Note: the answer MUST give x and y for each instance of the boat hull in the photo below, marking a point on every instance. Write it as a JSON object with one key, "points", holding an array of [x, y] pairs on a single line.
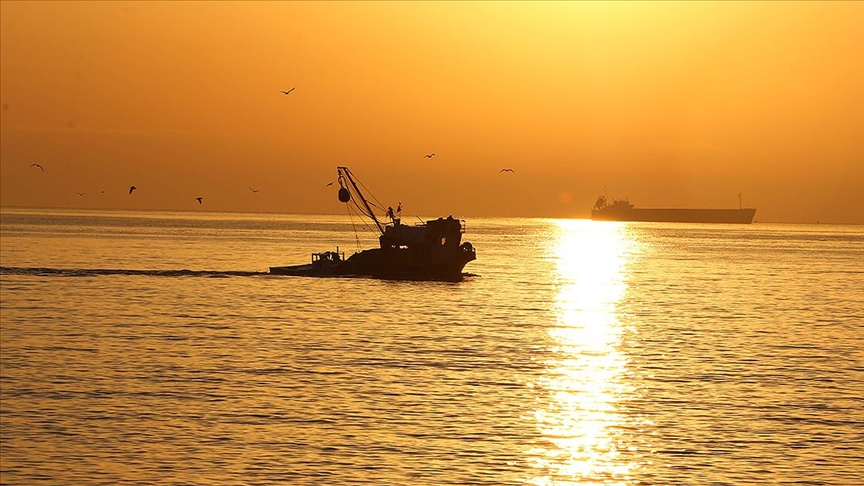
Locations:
{"points": [[313, 270], [736, 216], [393, 263], [405, 263]]}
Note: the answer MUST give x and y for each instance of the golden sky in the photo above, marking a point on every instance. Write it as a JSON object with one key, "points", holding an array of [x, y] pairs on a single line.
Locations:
{"points": [[677, 104]]}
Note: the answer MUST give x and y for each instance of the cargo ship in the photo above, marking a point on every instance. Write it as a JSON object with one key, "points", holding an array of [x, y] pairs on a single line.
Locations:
{"points": [[623, 210]]}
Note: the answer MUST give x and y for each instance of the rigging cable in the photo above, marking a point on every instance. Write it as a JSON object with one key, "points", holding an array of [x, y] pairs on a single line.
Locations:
{"points": [[354, 226], [366, 209], [356, 236], [377, 202], [370, 228]]}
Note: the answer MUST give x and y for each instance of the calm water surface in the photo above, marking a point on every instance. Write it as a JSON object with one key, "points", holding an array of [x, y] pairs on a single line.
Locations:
{"points": [[152, 347]]}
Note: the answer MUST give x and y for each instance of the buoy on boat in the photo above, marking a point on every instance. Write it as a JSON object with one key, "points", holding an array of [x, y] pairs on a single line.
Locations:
{"points": [[344, 195]]}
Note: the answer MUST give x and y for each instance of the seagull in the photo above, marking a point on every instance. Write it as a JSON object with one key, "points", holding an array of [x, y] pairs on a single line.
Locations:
{"points": [[132, 188], [80, 193], [429, 156], [199, 199], [506, 170], [289, 91], [329, 184], [254, 190], [37, 165]]}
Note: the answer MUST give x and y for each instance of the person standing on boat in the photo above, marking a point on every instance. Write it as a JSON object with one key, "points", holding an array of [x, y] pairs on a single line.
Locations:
{"points": [[390, 213]]}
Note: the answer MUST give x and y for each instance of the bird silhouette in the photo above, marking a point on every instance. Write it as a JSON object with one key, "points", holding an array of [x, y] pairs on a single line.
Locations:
{"points": [[37, 165], [289, 91], [200, 200], [429, 156], [132, 188], [254, 190], [329, 184], [80, 193], [506, 170]]}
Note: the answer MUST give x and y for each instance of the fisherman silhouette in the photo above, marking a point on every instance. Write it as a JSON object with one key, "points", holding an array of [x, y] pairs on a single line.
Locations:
{"points": [[390, 213]]}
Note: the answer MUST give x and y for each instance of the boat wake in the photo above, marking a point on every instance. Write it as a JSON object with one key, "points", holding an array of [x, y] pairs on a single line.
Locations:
{"points": [[97, 272]]}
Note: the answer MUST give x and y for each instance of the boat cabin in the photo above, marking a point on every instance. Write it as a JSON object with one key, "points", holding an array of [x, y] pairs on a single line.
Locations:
{"points": [[328, 257], [441, 232]]}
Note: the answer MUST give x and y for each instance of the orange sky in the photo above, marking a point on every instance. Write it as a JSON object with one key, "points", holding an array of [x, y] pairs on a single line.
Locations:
{"points": [[670, 104]]}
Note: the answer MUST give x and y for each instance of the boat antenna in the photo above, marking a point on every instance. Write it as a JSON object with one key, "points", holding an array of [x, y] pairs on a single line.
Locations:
{"points": [[739, 200], [344, 171]]}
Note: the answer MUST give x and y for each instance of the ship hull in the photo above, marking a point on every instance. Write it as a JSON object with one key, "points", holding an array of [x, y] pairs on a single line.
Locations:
{"points": [[405, 263], [737, 216], [313, 270], [394, 263]]}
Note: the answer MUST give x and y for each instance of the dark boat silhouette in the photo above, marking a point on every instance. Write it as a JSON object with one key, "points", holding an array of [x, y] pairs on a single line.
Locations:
{"points": [[430, 250], [324, 264], [623, 210]]}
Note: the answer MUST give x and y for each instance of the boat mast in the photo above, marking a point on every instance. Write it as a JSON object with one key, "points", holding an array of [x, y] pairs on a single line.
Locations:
{"points": [[347, 173]]}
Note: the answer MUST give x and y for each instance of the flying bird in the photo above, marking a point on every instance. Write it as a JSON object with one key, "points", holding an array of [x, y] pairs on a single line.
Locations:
{"points": [[132, 188], [429, 156], [37, 165], [506, 170], [200, 200], [329, 184], [80, 193], [289, 91], [254, 190]]}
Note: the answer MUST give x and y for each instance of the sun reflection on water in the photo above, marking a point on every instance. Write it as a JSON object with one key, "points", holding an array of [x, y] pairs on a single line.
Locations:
{"points": [[584, 386]]}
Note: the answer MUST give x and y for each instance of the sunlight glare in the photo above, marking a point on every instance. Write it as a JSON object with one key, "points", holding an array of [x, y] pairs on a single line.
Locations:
{"points": [[580, 416]]}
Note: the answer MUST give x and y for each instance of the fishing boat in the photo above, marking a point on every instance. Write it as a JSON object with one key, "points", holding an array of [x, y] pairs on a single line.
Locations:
{"points": [[623, 210], [429, 250]]}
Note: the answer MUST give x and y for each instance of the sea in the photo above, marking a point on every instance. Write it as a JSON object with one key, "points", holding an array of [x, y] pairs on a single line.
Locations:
{"points": [[153, 347]]}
